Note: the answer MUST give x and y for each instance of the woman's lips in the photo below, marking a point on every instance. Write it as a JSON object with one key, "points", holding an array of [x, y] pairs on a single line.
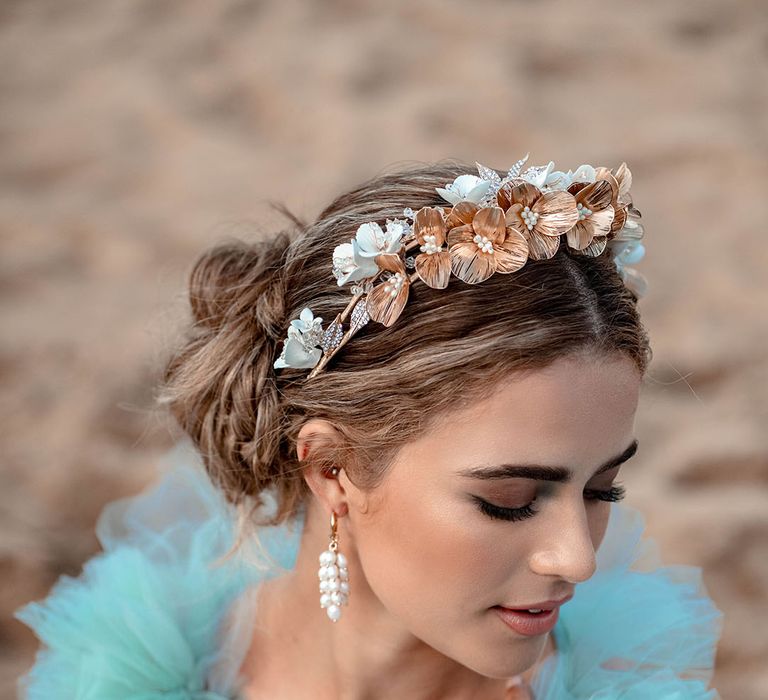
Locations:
{"points": [[527, 623]]}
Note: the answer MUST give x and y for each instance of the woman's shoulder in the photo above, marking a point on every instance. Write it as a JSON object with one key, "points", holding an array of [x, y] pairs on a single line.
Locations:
{"points": [[145, 617], [637, 629]]}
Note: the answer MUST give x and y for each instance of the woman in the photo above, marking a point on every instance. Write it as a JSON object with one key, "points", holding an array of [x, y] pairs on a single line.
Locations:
{"points": [[414, 420]]}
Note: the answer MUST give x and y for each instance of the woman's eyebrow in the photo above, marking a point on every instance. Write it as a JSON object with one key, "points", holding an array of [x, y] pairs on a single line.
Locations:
{"points": [[541, 472]]}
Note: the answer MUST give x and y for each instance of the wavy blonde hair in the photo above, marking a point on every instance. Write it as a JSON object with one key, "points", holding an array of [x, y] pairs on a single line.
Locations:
{"points": [[388, 385]]}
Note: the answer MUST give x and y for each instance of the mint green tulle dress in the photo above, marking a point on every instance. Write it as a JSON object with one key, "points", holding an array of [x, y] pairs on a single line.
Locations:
{"points": [[150, 617]]}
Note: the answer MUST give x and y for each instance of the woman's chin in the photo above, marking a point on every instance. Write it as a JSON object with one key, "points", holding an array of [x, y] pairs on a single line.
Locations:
{"points": [[514, 655]]}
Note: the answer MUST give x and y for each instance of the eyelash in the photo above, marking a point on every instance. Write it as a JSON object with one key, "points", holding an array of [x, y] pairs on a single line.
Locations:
{"points": [[615, 493]]}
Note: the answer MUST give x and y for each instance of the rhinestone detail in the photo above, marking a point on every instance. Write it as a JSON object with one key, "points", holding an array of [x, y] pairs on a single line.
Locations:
{"points": [[332, 337], [359, 316]]}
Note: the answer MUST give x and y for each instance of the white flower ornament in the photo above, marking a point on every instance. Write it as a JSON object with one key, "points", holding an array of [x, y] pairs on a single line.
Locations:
{"points": [[354, 261], [300, 347], [538, 175], [628, 252], [584, 173], [465, 188], [547, 179]]}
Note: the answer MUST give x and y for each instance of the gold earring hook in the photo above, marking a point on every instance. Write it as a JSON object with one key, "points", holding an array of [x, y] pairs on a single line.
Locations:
{"points": [[334, 532]]}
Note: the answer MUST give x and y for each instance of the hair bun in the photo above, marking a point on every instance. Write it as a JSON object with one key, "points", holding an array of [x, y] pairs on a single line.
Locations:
{"points": [[235, 278], [220, 385]]}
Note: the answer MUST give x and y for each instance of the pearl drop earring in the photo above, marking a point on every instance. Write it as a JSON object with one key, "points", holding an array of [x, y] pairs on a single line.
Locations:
{"points": [[333, 575]]}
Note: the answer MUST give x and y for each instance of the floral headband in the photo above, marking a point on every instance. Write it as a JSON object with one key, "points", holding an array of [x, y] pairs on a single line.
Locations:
{"points": [[494, 225]]}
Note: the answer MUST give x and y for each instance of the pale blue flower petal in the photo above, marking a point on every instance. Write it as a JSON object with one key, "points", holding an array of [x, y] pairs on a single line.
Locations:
{"points": [[368, 236]]}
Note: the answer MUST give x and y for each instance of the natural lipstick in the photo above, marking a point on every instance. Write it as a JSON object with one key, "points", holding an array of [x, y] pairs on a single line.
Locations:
{"points": [[528, 623]]}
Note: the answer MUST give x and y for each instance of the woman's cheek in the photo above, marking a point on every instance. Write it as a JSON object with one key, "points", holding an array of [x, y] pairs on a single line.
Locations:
{"points": [[441, 559], [598, 522]]}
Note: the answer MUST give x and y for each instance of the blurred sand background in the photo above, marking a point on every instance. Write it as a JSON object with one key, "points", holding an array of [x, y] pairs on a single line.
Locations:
{"points": [[135, 134]]}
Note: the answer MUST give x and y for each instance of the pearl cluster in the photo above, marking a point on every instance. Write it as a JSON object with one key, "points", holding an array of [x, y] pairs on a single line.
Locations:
{"points": [[584, 212], [394, 283], [430, 246], [334, 583], [529, 217], [483, 243]]}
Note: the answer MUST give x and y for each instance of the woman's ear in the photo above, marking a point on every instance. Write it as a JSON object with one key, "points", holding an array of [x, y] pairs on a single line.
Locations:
{"points": [[318, 446]]}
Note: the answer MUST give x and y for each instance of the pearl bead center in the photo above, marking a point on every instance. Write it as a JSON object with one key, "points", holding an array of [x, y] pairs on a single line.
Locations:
{"points": [[583, 210], [529, 217], [483, 243], [430, 246], [394, 284]]}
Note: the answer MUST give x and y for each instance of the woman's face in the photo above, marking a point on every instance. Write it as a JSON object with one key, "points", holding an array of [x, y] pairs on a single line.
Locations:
{"points": [[440, 564]]}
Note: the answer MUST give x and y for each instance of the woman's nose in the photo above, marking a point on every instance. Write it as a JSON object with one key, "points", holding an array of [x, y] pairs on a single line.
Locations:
{"points": [[565, 549]]}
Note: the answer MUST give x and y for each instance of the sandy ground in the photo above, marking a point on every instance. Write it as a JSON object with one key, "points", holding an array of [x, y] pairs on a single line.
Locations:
{"points": [[135, 134]]}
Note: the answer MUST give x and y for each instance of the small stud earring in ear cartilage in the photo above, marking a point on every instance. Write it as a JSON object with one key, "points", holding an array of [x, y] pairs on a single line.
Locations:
{"points": [[333, 575]]}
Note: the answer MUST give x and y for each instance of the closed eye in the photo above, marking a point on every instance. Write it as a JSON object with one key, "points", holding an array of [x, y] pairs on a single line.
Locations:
{"points": [[615, 493]]}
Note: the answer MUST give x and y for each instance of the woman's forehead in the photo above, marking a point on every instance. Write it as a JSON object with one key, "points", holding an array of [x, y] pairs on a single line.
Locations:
{"points": [[560, 391], [575, 410]]}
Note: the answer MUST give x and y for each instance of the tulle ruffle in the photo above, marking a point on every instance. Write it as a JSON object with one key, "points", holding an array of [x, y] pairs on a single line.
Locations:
{"points": [[636, 630], [145, 619]]}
